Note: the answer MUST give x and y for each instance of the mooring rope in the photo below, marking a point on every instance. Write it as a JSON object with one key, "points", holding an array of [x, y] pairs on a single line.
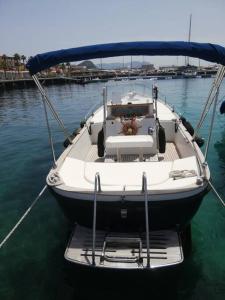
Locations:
{"points": [[216, 193], [23, 217]]}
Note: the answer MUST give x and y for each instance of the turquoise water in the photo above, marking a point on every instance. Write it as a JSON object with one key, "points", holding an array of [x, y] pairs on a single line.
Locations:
{"points": [[32, 264]]}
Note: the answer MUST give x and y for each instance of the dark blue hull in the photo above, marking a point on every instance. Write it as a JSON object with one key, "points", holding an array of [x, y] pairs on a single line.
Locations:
{"points": [[130, 215]]}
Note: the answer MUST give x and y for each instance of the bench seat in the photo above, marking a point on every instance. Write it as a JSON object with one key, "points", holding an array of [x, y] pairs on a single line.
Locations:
{"points": [[128, 141]]}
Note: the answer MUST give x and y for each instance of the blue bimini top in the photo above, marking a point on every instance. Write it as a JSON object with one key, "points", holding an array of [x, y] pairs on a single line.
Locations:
{"points": [[210, 52]]}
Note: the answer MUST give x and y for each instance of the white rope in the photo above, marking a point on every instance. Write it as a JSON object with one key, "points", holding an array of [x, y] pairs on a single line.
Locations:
{"points": [[22, 218], [216, 193]]}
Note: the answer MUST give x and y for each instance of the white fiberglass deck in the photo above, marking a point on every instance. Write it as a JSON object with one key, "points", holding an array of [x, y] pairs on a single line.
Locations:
{"points": [[124, 250], [121, 170], [170, 155], [80, 175]]}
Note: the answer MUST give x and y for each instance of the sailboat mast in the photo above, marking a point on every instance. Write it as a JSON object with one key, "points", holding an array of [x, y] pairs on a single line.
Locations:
{"points": [[189, 36]]}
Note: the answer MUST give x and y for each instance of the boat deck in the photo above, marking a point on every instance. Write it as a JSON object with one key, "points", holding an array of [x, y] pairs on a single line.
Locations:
{"points": [[171, 154]]}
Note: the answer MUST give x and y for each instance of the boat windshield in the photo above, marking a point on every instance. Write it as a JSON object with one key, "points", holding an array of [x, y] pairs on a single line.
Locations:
{"points": [[129, 110]]}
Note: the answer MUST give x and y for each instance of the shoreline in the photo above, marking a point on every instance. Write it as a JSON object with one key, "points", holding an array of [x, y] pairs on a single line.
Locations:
{"points": [[28, 82]]}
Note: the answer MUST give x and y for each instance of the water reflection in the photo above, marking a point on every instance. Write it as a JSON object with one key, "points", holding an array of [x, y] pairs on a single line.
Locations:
{"points": [[155, 284], [184, 95]]}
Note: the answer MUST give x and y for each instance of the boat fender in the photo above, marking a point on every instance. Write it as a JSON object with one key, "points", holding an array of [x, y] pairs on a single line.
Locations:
{"points": [[67, 142], [222, 107], [199, 141], [199, 180], [82, 123], [90, 128], [76, 131], [187, 125], [155, 92], [176, 126], [161, 139], [101, 147]]}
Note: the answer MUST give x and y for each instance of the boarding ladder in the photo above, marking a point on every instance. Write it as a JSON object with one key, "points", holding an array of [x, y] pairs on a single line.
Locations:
{"points": [[123, 250], [113, 240]]}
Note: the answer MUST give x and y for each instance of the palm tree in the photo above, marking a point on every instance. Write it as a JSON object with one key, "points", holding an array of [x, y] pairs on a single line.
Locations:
{"points": [[4, 58], [63, 67], [23, 58], [17, 61], [68, 67]]}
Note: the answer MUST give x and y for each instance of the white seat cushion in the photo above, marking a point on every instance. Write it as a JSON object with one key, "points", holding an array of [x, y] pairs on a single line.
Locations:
{"points": [[129, 141]]}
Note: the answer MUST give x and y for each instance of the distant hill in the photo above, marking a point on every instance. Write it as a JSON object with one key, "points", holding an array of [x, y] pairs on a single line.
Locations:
{"points": [[114, 65], [118, 65], [88, 64]]}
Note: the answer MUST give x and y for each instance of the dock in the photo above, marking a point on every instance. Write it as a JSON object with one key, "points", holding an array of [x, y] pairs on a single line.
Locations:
{"points": [[56, 80]]}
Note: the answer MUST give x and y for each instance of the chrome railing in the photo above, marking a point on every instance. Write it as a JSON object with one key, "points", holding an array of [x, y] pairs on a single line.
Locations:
{"points": [[145, 191], [97, 189]]}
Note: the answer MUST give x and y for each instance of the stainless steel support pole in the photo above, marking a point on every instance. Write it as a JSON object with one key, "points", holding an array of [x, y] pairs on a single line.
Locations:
{"points": [[144, 189], [212, 94], [97, 188], [104, 111], [211, 125], [53, 111], [49, 134]]}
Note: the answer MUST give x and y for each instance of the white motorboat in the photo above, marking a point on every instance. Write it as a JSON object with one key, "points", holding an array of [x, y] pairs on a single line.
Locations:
{"points": [[123, 144], [134, 172]]}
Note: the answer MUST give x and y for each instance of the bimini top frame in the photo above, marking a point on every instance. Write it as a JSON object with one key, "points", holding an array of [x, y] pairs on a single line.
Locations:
{"points": [[210, 52]]}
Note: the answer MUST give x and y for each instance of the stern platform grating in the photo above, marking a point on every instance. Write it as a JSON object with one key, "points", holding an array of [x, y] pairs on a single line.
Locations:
{"points": [[124, 250]]}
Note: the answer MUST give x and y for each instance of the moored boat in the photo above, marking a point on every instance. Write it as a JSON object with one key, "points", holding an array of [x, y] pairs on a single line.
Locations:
{"points": [[134, 168], [123, 142]]}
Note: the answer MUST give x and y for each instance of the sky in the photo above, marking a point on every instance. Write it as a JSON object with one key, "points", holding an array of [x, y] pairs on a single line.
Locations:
{"points": [[35, 26]]}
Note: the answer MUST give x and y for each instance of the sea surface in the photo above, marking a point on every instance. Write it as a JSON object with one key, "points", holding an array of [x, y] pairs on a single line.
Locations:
{"points": [[32, 262]]}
